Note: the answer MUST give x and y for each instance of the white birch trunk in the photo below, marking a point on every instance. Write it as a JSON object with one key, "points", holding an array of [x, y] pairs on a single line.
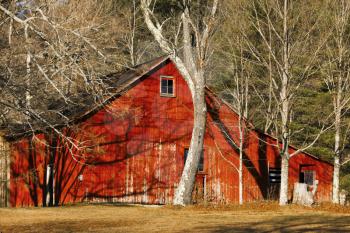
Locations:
{"points": [[338, 84], [240, 177], [10, 31], [28, 71], [284, 181], [183, 193], [337, 110], [285, 111], [4, 172], [241, 151], [192, 70], [335, 198]]}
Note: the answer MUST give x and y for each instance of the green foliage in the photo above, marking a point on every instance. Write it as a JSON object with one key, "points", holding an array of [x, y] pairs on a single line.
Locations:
{"points": [[345, 182]]}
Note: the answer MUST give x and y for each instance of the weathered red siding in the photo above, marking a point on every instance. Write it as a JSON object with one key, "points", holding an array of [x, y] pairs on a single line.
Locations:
{"points": [[133, 152]]}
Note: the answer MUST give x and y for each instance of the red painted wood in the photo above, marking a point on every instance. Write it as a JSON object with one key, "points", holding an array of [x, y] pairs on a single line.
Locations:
{"points": [[133, 152]]}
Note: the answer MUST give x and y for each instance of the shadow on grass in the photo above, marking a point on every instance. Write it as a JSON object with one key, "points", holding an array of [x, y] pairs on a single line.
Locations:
{"points": [[172, 220], [305, 223], [83, 225]]}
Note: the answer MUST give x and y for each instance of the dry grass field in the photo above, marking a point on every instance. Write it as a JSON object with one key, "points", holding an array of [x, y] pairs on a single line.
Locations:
{"points": [[258, 217]]}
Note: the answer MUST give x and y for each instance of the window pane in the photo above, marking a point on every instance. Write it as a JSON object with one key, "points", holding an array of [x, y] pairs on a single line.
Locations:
{"points": [[164, 89], [185, 155], [275, 175], [201, 160], [170, 83], [201, 163], [309, 177], [301, 177], [170, 86], [164, 82], [170, 90]]}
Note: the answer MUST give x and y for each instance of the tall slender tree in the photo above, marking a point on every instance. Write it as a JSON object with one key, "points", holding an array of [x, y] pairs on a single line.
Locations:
{"points": [[289, 49], [239, 93], [335, 68], [196, 29]]}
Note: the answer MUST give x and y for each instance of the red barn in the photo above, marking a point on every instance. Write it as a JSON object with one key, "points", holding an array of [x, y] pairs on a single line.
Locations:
{"points": [[132, 149]]}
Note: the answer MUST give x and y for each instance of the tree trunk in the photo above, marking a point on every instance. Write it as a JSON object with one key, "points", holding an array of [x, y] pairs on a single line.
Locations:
{"points": [[335, 196], [337, 125], [50, 185], [28, 63], [284, 181], [4, 172], [51, 165], [241, 148], [45, 188], [336, 171], [183, 193], [241, 177], [193, 73], [285, 110]]}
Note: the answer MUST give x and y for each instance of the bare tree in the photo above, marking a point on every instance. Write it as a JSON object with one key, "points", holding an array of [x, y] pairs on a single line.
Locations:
{"points": [[290, 51], [192, 67], [53, 67], [239, 93], [138, 44], [233, 66], [335, 68], [54, 53]]}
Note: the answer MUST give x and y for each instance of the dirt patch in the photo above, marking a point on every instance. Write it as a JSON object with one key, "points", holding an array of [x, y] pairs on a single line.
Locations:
{"points": [[255, 217]]}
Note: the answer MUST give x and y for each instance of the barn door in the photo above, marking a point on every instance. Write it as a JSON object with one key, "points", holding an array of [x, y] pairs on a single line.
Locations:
{"points": [[199, 190], [198, 195], [274, 183]]}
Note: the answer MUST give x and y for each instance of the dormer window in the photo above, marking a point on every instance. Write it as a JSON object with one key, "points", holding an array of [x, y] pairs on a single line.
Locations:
{"points": [[167, 86]]}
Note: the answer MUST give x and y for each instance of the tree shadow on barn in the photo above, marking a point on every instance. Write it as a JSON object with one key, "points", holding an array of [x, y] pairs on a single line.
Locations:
{"points": [[110, 167], [259, 169]]}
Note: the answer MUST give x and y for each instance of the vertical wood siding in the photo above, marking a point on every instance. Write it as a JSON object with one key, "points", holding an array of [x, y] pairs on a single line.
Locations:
{"points": [[133, 152]]}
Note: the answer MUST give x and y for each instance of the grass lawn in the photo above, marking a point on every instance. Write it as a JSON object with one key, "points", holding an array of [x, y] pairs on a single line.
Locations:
{"points": [[258, 217]]}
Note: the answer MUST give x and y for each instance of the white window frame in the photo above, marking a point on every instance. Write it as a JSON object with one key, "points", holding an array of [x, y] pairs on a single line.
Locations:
{"points": [[174, 86]]}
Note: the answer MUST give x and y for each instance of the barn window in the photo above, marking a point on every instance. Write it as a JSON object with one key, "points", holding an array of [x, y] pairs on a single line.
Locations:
{"points": [[201, 160], [167, 86], [307, 177], [275, 175]]}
